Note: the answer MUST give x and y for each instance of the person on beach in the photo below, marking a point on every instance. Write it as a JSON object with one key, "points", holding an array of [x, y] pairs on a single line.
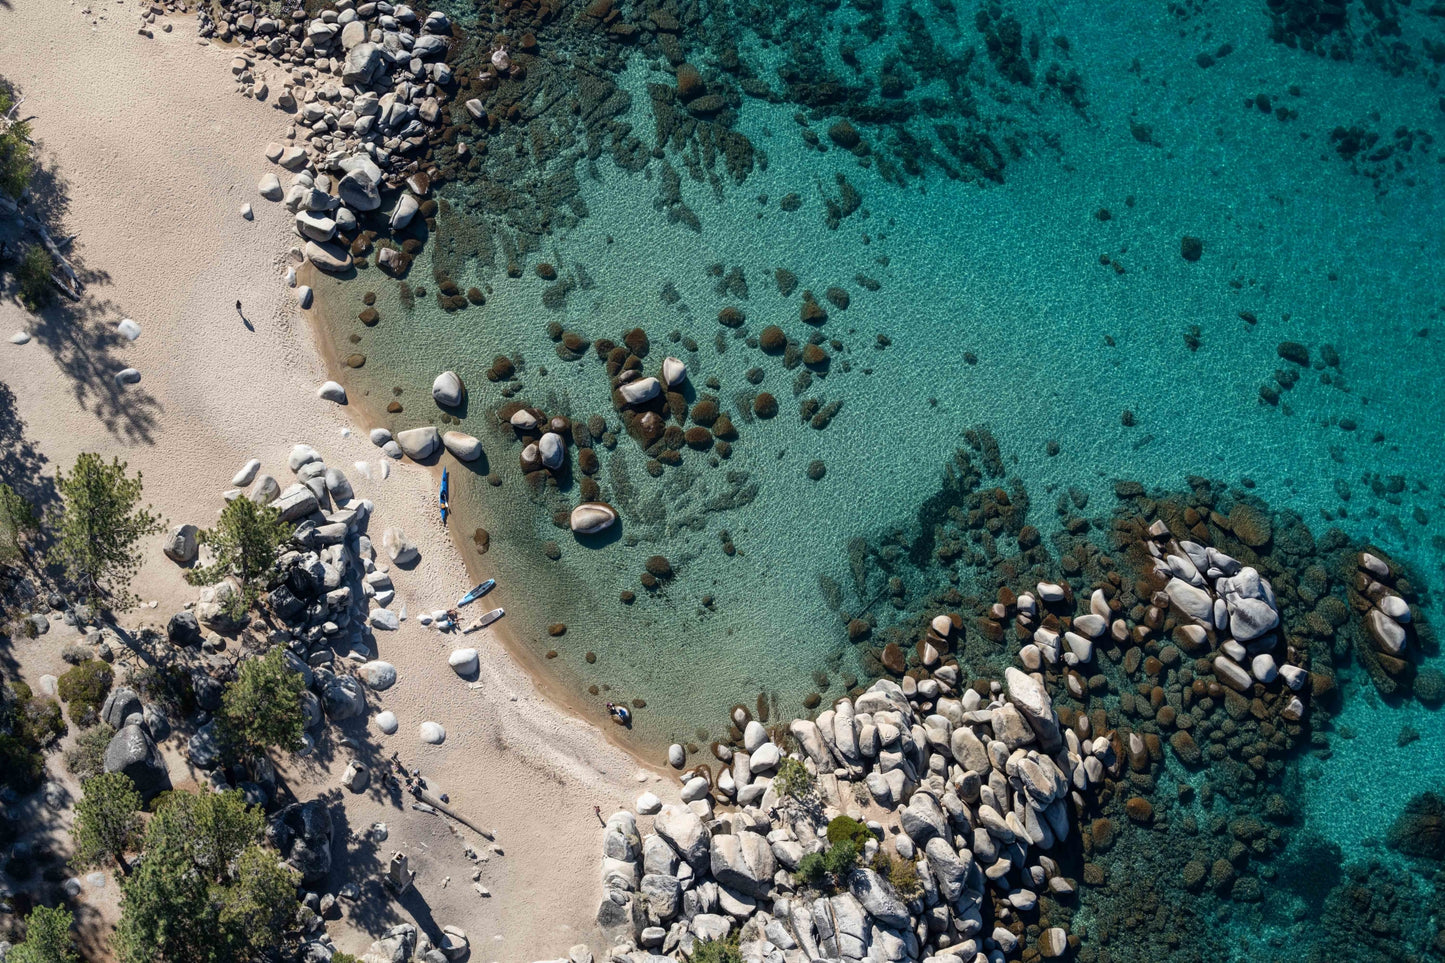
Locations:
{"points": [[238, 305], [597, 811]]}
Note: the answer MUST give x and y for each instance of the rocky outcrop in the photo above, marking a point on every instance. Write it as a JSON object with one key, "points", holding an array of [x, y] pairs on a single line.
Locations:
{"points": [[133, 752]]}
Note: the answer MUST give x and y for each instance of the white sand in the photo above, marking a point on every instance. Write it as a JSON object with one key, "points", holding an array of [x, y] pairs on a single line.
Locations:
{"points": [[157, 152]]}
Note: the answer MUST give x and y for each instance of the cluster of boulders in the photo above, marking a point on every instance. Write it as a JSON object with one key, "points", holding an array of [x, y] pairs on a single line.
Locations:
{"points": [[366, 84], [970, 784], [1229, 609], [1389, 616], [133, 748], [399, 944]]}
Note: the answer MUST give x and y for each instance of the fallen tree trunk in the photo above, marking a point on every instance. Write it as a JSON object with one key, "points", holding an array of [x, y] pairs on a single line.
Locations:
{"points": [[446, 810]]}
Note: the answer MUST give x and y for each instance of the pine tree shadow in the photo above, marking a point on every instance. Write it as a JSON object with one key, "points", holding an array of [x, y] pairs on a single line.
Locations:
{"points": [[22, 464], [80, 335]]}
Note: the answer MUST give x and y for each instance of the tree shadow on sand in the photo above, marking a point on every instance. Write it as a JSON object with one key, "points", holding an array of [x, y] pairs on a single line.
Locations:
{"points": [[81, 335]]}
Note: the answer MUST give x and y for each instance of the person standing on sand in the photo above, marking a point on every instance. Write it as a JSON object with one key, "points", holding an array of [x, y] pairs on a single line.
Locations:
{"points": [[238, 305], [597, 811]]}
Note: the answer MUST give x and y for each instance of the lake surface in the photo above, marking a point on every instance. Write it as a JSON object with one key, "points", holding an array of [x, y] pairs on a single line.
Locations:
{"points": [[1081, 242]]}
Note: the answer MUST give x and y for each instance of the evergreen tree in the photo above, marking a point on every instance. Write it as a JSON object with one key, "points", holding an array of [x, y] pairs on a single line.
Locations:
{"points": [[16, 162], [17, 521], [246, 541], [206, 889], [47, 938], [100, 524], [107, 820], [261, 710]]}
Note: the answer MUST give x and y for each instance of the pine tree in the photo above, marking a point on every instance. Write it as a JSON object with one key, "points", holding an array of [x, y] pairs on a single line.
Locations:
{"points": [[261, 709], [17, 521], [47, 938], [246, 541], [100, 524], [107, 820], [206, 889]]}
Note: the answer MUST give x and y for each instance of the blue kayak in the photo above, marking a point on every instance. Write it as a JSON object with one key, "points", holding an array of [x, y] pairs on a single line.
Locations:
{"points": [[442, 498], [477, 592]]}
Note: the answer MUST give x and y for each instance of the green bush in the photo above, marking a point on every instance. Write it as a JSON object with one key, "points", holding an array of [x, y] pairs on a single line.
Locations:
{"points": [[33, 276], [21, 766], [901, 873], [84, 688], [168, 685], [840, 859], [846, 828], [86, 759], [793, 781], [724, 950], [41, 722], [829, 868]]}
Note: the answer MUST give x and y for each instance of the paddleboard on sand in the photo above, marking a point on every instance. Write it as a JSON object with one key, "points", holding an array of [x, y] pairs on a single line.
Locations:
{"points": [[477, 592]]}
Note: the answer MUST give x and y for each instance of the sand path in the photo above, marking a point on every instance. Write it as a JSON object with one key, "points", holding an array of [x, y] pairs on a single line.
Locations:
{"points": [[149, 154]]}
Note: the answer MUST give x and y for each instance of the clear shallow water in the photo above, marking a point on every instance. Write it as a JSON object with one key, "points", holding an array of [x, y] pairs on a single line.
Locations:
{"points": [[1020, 305]]}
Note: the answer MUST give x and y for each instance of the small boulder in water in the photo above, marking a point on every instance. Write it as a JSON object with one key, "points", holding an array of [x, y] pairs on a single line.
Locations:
{"points": [[674, 372], [447, 389], [552, 450], [636, 392], [462, 446], [589, 518], [419, 443]]}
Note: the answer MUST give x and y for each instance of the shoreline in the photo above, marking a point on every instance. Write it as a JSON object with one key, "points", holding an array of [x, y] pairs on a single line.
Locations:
{"points": [[358, 411], [215, 392]]}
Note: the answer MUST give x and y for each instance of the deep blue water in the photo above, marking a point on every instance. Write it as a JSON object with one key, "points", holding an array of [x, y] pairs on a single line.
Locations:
{"points": [[1086, 227]]}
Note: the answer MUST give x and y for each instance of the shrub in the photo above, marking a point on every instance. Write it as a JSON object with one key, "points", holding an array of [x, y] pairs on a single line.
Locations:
{"points": [[839, 859], [85, 688], [41, 722], [27, 726], [21, 766], [793, 781], [847, 829], [724, 950], [902, 874], [829, 868], [33, 276], [168, 685], [86, 759]]}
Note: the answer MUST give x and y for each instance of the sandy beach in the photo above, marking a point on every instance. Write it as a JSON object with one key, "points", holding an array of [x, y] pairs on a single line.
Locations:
{"points": [[149, 154]]}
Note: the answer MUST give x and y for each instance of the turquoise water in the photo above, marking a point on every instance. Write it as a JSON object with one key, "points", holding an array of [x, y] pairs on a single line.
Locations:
{"points": [[1012, 255]]}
